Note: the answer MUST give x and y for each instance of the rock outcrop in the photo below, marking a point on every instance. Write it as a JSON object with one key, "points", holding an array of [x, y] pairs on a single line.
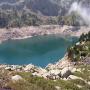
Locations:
{"points": [[65, 72], [72, 77], [27, 32], [16, 78]]}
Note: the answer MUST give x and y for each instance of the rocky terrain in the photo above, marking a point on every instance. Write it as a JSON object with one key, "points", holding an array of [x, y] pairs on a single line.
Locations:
{"points": [[51, 71], [27, 32], [63, 75]]}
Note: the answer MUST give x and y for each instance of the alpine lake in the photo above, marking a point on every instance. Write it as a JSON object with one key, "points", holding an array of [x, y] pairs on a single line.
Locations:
{"points": [[38, 50]]}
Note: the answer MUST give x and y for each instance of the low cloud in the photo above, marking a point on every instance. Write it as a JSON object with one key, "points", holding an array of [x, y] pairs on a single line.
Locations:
{"points": [[82, 11]]}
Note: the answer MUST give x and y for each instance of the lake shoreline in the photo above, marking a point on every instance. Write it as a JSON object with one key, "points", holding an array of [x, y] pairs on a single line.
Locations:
{"points": [[45, 72], [23, 33], [31, 31]]}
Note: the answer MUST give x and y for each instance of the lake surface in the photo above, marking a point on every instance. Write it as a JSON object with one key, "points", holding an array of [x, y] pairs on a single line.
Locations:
{"points": [[39, 50]]}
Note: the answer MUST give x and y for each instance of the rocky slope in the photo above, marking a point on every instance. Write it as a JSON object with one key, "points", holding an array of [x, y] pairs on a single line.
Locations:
{"points": [[15, 77], [26, 32]]}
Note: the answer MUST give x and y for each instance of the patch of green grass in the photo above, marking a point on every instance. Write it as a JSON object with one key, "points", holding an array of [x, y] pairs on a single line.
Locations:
{"points": [[78, 82], [85, 72], [23, 85], [86, 87], [32, 83], [67, 85], [38, 83]]}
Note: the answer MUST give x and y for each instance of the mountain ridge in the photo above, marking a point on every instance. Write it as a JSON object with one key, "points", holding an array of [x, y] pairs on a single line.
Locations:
{"points": [[46, 7]]}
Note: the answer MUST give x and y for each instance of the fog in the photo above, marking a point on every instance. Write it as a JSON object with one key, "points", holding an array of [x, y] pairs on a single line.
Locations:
{"points": [[82, 11]]}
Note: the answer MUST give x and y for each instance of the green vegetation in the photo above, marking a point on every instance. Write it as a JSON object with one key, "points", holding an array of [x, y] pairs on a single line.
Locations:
{"points": [[85, 37], [80, 50], [30, 82], [70, 20], [17, 19], [14, 18]]}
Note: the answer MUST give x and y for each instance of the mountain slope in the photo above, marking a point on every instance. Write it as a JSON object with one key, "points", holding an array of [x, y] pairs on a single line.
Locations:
{"points": [[45, 7]]}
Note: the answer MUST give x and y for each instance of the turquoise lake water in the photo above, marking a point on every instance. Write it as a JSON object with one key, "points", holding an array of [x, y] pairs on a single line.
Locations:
{"points": [[39, 50]]}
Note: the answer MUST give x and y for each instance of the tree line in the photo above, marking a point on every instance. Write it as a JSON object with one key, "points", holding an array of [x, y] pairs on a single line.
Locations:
{"points": [[14, 18]]}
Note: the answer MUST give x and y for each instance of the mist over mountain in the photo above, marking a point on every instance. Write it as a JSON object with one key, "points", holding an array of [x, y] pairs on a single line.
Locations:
{"points": [[44, 7], [15, 13]]}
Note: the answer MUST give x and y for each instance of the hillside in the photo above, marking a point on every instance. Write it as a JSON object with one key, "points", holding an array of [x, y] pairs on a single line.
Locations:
{"points": [[80, 52], [44, 7], [18, 13]]}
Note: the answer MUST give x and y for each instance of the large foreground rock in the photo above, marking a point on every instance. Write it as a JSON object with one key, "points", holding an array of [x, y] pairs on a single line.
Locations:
{"points": [[74, 77], [54, 74], [65, 72], [29, 67], [16, 78]]}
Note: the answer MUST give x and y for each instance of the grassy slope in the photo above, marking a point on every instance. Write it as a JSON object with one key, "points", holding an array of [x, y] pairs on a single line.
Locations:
{"points": [[38, 83]]}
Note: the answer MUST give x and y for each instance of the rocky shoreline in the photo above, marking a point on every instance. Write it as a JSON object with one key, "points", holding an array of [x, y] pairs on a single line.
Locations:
{"points": [[51, 70], [20, 76], [63, 71], [30, 31]]}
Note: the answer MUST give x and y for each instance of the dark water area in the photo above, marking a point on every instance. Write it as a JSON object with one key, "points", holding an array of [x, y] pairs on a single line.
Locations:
{"points": [[39, 50]]}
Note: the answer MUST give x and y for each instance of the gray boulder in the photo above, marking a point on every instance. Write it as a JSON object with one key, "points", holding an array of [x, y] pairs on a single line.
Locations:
{"points": [[72, 77], [65, 72], [16, 78]]}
